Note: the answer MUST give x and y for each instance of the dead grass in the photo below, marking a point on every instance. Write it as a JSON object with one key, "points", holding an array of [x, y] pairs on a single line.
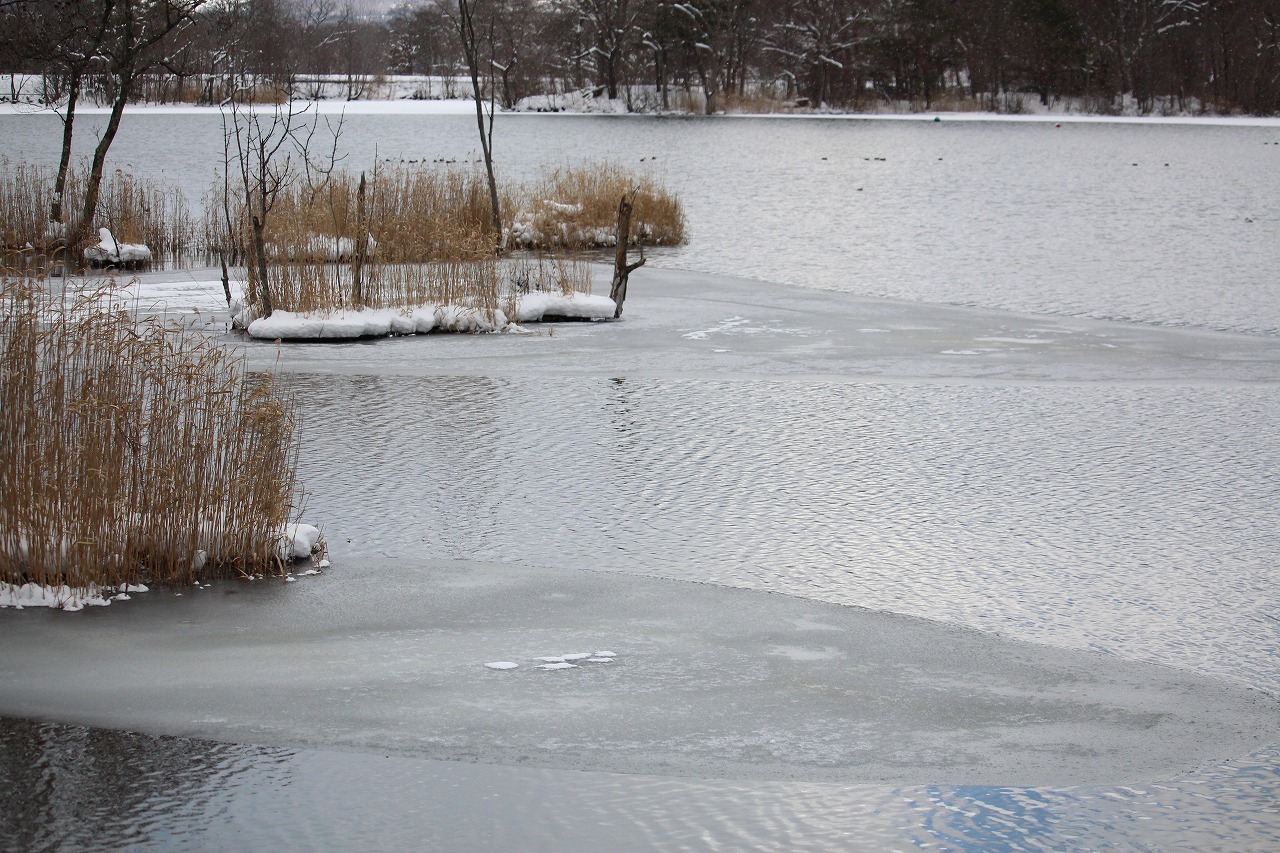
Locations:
{"points": [[133, 452], [576, 207]]}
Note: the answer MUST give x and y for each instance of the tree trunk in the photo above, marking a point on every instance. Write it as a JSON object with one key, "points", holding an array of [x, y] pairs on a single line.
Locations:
{"points": [[362, 244], [226, 276], [470, 48], [93, 186], [621, 269], [260, 249], [64, 163]]}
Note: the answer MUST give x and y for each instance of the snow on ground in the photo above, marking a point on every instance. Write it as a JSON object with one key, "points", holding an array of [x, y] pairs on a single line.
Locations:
{"points": [[169, 293], [381, 322], [370, 323], [429, 95]]}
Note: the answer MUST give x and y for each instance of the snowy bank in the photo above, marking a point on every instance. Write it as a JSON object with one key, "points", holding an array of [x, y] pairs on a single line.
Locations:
{"points": [[381, 322], [293, 542], [540, 305]]}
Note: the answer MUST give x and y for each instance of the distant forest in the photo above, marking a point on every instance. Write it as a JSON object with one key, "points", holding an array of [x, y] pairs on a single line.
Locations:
{"points": [[1146, 56]]}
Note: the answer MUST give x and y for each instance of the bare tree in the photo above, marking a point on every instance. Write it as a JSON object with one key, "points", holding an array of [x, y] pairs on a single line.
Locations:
{"points": [[135, 32], [621, 269], [466, 25], [273, 149]]}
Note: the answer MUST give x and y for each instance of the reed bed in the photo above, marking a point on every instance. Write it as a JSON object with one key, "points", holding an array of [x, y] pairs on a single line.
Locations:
{"points": [[420, 238], [424, 237], [576, 207], [135, 452], [548, 274], [26, 192], [136, 210]]}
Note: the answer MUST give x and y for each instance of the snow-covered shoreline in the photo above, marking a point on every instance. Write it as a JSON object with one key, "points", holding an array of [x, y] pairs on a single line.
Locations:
{"points": [[461, 107], [383, 322]]}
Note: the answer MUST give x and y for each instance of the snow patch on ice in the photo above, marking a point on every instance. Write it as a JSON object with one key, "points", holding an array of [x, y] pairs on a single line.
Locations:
{"points": [[561, 665], [1014, 340], [742, 326], [502, 664], [61, 597]]}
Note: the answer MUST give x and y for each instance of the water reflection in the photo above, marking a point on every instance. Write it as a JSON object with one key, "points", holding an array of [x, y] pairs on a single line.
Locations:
{"points": [[73, 788]]}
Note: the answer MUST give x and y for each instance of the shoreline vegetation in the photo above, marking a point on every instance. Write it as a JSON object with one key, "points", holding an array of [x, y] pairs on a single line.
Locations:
{"points": [[1153, 56], [34, 93], [136, 453]]}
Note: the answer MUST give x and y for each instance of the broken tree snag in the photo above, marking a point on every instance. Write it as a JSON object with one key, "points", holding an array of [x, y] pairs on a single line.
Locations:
{"points": [[621, 269]]}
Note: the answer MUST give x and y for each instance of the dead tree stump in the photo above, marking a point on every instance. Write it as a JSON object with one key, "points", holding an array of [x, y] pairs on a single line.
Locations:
{"points": [[621, 269]]}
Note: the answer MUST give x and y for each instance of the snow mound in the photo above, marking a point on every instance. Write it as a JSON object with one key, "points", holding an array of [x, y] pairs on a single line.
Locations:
{"points": [[371, 323], [322, 247], [502, 664], [298, 541], [111, 252], [581, 101], [532, 307], [383, 322]]}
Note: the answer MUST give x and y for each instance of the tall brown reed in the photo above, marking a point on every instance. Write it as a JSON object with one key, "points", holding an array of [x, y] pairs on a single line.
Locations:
{"points": [[134, 452], [426, 242]]}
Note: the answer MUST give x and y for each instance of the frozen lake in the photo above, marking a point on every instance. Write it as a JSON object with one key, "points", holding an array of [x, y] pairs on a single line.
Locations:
{"points": [[1044, 443]]}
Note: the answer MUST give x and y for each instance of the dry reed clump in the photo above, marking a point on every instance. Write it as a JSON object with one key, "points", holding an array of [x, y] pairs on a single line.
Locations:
{"points": [[135, 210], [577, 208], [134, 452], [423, 237], [547, 274], [25, 195], [420, 238]]}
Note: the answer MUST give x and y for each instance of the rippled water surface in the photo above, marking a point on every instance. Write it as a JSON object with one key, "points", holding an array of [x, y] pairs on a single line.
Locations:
{"points": [[1160, 223], [1081, 515]]}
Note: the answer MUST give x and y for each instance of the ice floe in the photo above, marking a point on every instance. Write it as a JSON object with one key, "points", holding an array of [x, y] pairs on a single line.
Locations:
{"points": [[552, 663]]}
